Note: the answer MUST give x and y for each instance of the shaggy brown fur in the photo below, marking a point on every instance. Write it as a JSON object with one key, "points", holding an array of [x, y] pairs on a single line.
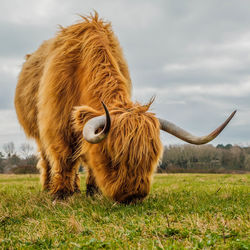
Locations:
{"points": [[60, 88]]}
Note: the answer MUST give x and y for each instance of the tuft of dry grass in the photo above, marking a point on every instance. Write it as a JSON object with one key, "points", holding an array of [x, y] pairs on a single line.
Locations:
{"points": [[74, 225]]}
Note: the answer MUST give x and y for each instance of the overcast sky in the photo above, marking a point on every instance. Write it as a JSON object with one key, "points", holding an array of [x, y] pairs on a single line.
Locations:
{"points": [[193, 55]]}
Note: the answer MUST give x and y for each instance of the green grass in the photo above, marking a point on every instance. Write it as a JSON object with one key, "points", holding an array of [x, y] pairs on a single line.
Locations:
{"points": [[183, 211]]}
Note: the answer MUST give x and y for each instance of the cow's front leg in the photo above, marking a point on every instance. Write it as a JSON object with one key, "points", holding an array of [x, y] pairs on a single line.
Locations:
{"points": [[77, 183], [91, 187], [63, 179], [44, 166]]}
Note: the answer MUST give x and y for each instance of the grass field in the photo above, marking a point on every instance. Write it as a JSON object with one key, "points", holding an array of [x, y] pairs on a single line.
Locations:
{"points": [[183, 211]]}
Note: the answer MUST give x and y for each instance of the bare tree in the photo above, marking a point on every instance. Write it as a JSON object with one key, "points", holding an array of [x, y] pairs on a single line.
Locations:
{"points": [[9, 148], [26, 150]]}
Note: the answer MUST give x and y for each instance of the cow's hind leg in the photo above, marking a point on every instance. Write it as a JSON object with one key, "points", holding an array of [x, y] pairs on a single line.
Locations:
{"points": [[91, 187]]}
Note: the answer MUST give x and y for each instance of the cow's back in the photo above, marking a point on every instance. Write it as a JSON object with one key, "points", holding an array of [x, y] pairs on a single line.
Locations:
{"points": [[26, 96], [82, 65]]}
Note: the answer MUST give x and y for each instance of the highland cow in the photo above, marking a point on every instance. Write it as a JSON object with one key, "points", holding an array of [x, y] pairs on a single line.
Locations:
{"points": [[74, 98]]}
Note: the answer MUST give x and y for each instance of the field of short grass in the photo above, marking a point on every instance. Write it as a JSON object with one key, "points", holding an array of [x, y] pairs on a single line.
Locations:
{"points": [[183, 211]]}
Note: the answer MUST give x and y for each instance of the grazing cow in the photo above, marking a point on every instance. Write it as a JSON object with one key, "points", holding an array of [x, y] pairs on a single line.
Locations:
{"points": [[74, 98]]}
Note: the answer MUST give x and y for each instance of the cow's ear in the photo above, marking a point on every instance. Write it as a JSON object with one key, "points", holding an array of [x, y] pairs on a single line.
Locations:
{"points": [[81, 115]]}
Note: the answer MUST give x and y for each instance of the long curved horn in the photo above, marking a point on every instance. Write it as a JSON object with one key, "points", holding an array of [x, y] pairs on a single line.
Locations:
{"points": [[185, 136], [92, 126]]}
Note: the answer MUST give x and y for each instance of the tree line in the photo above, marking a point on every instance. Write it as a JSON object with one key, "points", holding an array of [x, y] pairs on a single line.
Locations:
{"points": [[176, 159], [23, 162], [205, 158]]}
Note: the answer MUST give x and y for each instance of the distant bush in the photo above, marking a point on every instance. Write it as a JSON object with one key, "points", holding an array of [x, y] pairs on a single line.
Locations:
{"points": [[25, 169]]}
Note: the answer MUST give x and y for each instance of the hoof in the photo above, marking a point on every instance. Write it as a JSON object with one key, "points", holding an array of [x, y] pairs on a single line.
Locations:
{"points": [[62, 195], [91, 190], [46, 190], [77, 191]]}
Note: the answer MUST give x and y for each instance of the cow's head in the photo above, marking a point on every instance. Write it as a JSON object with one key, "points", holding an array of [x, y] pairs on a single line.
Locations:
{"points": [[123, 163]]}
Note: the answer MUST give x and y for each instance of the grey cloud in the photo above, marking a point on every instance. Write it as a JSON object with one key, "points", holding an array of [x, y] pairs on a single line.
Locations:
{"points": [[18, 40], [7, 85]]}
